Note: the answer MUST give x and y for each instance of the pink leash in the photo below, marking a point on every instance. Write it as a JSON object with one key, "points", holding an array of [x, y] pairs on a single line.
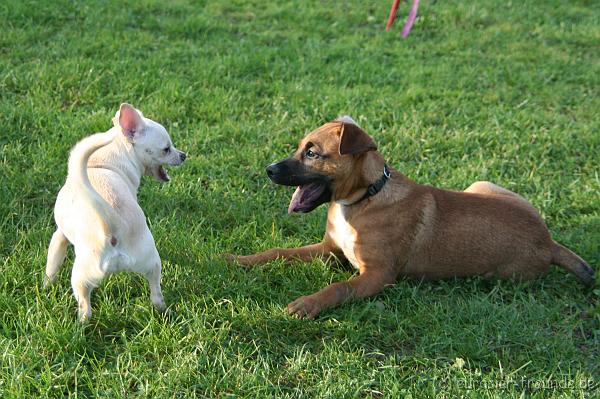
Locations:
{"points": [[412, 15]]}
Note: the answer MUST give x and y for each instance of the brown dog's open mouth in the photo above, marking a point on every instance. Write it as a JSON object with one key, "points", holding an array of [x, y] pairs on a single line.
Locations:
{"points": [[308, 196]]}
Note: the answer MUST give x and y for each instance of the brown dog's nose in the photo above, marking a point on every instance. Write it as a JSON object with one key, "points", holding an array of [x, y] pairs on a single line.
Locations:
{"points": [[271, 169]]}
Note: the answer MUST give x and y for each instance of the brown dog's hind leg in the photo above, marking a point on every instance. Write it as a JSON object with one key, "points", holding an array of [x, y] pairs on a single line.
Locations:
{"points": [[486, 187], [489, 188], [369, 283]]}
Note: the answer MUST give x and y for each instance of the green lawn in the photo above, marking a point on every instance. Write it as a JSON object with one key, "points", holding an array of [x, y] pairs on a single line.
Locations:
{"points": [[494, 90]]}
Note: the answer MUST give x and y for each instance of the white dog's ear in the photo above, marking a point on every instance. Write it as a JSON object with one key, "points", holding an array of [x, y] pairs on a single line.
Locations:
{"points": [[129, 121]]}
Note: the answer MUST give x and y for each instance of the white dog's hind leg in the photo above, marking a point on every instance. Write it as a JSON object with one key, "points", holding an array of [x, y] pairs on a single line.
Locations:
{"points": [[82, 288], [153, 277], [57, 250]]}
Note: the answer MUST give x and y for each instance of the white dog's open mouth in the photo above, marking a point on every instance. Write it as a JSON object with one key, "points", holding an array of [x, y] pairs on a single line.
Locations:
{"points": [[161, 174]]}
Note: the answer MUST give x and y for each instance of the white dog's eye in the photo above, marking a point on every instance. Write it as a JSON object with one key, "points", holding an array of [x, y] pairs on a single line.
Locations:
{"points": [[167, 150]]}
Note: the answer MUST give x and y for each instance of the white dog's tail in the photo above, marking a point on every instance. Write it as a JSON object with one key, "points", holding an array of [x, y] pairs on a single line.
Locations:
{"points": [[78, 174]]}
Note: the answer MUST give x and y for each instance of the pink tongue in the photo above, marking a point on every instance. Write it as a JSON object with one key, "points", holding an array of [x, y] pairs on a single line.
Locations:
{"points": [[295, 201]]}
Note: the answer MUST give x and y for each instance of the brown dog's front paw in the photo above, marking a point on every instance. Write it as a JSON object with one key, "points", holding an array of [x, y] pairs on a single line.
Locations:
{"points": [[237, 259], [229, 258], [305, 306]]}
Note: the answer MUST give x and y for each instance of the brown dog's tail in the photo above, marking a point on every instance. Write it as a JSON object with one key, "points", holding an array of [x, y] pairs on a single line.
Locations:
{"points": [[572, 263]]}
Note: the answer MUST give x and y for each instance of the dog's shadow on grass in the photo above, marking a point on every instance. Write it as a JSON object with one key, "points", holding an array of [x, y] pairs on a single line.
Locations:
{"points": [[448, 318]]}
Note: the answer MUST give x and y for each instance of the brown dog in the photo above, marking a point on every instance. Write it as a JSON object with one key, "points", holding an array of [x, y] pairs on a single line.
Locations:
{"points": [[387, 225]]}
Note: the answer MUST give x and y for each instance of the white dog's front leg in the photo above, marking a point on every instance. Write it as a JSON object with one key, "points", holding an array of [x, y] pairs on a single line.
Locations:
{"points": [[156, 295]]}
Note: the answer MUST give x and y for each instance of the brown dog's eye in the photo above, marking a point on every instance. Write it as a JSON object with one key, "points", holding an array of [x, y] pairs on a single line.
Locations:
{"points": [[311, 154]]}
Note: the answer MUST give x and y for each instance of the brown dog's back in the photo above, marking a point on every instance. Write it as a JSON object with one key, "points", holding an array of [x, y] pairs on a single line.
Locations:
{"points": [[477, 234], [486, 230]]}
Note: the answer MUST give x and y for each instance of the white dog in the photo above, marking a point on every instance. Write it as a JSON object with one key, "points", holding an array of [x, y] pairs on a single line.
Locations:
{"points": [[97, 210]]}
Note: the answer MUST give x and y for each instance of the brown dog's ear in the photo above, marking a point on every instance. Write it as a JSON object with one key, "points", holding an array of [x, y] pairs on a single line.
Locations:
{"points": [[129, 121], [353, 140]]}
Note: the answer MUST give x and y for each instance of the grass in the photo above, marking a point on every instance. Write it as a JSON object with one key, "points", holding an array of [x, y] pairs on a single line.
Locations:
{"points": [[495, 90]]}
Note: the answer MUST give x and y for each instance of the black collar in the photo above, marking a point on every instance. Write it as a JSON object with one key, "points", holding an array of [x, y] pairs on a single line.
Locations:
{"points": [[377, 186]]}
